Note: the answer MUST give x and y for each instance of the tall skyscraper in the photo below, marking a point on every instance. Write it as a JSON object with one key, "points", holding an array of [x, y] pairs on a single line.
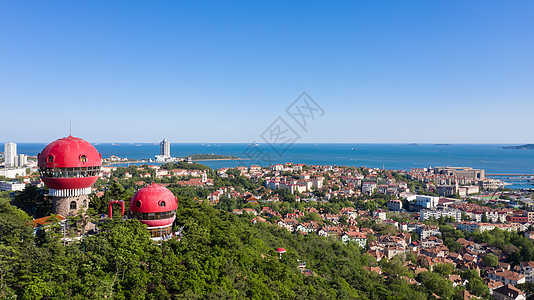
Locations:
{"points": [[10, 150], [165, 148]]}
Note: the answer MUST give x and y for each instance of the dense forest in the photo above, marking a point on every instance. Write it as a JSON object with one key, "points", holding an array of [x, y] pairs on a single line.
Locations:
{"points": [[219, 256]]}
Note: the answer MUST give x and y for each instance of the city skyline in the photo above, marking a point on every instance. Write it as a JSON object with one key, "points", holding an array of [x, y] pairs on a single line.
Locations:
{"points": [[417, 72]]}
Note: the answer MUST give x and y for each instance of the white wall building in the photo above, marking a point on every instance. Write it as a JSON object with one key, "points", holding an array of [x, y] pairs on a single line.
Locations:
{"points": [[22, 160], [165, 149], [426, 201], [11, 186], [436, 213], [368, 187], [10, 150], [12, 173]]}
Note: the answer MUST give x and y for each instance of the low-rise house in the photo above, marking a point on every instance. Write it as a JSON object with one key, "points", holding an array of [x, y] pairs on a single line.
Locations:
{"points": [[431, 241], [391, 252], [307, 227], [285, 225], [245, 210], [354, 236], [456, 280], [527, 269], [380, 214], [394, 205], [507, 276], [427, 230], [508, 292]]}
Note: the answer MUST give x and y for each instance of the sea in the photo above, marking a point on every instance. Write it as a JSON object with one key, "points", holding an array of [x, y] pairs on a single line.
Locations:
{"points": [[490, 157]]}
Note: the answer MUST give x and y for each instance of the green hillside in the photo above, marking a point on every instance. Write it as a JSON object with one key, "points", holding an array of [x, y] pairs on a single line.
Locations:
{"points": [[220, 256]]}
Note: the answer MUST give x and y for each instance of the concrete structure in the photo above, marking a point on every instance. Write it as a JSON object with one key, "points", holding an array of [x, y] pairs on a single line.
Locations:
{"points": [[394, 205], [69, 167], [12, 173], [22, 160], [11, 186], [436, 213], [380, 214], [165, 149], [368, 187], [472, 226], [463, 191], [426, 201], [10, 150], [426, 231], [155, 206], [461, 172]]}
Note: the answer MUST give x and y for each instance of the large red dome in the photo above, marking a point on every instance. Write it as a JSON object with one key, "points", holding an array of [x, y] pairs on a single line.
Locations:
{"points": [[69, 164], [154, 206], [69, 152]]}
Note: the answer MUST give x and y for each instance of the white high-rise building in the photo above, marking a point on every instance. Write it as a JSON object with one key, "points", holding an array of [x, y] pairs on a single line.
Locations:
{"points": [[22, 160], [10, 150], [165, 149]]}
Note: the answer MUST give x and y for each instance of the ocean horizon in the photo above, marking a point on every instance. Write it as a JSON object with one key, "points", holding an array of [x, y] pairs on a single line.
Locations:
{"points": [[394, 156]]}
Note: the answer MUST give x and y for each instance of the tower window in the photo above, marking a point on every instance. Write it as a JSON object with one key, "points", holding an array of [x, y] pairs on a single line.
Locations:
{"points": [[73, 205], [162, 203], [84, 203], [50, 158], [83, 158], [138, 204]]}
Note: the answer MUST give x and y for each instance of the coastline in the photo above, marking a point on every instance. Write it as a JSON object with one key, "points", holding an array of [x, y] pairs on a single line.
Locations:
{"points": [[142, 161]]}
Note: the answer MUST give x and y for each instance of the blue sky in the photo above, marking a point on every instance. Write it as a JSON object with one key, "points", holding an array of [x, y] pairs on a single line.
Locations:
{"points": [[207, 71]]}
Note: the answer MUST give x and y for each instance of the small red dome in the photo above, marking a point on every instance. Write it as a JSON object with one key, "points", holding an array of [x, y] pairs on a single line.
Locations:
{"points": [[153, 198], [280, 250], [69, 152], [154, 205]]}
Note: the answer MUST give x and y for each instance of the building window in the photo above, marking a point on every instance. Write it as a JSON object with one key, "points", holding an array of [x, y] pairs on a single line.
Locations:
{"points": [[138, 204], [162, 203], [50, 158], [73, 205], [84, 203], [83, 158]]}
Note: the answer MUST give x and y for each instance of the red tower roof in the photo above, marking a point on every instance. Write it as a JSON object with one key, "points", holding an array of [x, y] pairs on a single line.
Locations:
{"points": [[153, 198], [69, 152]]}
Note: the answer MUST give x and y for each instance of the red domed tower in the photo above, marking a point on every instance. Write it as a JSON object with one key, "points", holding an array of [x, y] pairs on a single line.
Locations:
{"points": [[154, 206], [69, 167]]}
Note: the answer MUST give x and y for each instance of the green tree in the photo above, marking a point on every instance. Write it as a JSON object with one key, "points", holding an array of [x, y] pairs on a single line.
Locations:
{"points": [[491, 260]]}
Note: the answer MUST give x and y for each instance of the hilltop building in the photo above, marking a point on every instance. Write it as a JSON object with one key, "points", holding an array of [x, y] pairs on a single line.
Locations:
{"points": [[155, 206], [69, 167]]}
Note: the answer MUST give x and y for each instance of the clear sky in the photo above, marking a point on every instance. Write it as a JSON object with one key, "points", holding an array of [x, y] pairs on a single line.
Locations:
{"points": [[223, 71]]}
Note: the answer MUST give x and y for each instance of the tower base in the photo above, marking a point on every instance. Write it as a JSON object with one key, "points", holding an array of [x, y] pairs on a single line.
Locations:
{"points": [[69, 206]]}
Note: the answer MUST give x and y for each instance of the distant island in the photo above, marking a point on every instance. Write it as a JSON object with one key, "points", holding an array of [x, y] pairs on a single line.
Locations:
{"points": [[212, 157], [522, 147]]}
